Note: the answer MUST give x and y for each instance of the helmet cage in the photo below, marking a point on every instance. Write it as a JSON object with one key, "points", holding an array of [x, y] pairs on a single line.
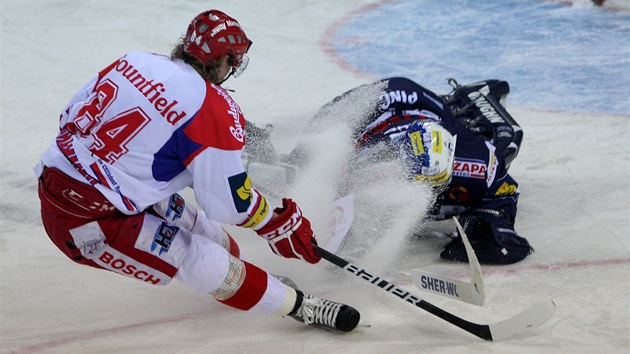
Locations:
{"points": [[238, 66]]}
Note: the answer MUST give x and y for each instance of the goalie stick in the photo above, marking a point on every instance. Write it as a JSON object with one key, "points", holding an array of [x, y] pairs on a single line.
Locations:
{"points": [[472, 292], [526, 320]]}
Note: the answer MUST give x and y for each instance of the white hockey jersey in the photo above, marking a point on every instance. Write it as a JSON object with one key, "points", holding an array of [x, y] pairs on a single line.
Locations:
{"points": [[147, 127]]}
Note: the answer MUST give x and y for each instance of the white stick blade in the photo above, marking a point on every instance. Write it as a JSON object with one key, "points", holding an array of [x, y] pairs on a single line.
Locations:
{"points": [[340, 222], [524, 321], [475, 268], [447, 287]]}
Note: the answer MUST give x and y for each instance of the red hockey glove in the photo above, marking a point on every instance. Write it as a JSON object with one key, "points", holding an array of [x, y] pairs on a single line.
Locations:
{"points": [[289, 234]]}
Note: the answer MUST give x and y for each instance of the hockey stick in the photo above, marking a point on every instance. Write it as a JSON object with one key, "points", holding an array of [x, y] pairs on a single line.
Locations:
{"points": [[340, 222], [469, 292], [472, 293], [528, 319]]}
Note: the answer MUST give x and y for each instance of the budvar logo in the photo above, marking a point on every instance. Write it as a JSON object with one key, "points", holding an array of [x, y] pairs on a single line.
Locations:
{"points": [[109, 261], [235, 112]]}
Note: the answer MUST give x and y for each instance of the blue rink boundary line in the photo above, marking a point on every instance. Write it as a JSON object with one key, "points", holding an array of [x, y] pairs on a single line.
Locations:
{"points": [[554, 55], [488, 271]]}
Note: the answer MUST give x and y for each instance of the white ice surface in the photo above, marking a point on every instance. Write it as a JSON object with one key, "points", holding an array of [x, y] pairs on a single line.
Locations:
{"points": [[573, 172]]}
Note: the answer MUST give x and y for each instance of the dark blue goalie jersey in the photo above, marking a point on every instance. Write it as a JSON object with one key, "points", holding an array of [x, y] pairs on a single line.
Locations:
{"points": [[480, 178]]}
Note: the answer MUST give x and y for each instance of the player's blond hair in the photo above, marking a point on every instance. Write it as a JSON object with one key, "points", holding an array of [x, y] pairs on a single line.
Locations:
{"points": [[208, 71]]}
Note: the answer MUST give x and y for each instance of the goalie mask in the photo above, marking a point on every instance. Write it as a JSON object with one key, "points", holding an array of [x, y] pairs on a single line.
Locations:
{"points": [[429, 151], [212, 35]]}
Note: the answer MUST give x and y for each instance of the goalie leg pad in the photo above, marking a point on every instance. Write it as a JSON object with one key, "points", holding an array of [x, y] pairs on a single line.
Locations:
{"points": [[493, 239]]}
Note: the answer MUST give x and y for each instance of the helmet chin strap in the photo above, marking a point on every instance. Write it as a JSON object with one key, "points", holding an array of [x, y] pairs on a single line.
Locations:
{"points": [[232, 72], [226, 77]]}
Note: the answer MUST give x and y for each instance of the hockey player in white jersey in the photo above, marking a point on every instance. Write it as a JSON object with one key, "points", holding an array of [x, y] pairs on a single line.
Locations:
{"points": [[148, 126]]}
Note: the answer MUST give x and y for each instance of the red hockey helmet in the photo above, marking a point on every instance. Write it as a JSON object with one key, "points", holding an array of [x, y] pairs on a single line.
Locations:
{"points": [[212, 35]]}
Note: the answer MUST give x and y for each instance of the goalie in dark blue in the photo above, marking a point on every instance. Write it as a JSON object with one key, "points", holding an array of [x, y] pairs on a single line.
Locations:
{"points": [[461, 144]]}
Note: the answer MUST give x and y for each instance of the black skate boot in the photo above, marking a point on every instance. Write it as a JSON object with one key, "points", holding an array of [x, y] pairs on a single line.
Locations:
{"points": [[325, 314]]}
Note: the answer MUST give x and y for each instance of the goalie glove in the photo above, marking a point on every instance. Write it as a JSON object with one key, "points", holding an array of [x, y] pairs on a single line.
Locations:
{"points": [[289, 234]]}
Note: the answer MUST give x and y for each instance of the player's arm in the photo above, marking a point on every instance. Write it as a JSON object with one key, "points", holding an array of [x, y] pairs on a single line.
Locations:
{"points": [[407, 95], [225, 192], [211, 147]]}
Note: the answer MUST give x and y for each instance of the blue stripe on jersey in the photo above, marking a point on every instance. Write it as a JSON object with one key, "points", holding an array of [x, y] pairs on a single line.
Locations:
{"points": [[168, 162]]}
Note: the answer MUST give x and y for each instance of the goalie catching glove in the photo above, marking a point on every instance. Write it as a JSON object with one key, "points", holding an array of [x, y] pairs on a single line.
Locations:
{"points": [[289, 234]]}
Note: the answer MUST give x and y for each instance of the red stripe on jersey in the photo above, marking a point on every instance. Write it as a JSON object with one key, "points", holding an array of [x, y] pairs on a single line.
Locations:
{"points": [[219, 122], [128, 203], [99, 175], [252, 290]]}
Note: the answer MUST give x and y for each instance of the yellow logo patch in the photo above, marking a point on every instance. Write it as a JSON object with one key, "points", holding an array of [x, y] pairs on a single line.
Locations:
{"points": [[506, 189], [416, 143], [245, 191], [436, 139]]}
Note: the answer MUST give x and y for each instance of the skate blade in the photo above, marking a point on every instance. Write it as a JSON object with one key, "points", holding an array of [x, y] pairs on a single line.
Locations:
{"points": [[362, 323]]}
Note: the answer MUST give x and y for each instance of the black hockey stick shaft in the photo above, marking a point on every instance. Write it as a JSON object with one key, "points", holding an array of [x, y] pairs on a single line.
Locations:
{"points": [[479, 330]]}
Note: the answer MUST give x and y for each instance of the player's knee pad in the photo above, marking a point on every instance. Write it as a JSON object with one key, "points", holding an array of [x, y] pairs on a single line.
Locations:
{"points": [[233, 280], [492, 237], [244, 285]]}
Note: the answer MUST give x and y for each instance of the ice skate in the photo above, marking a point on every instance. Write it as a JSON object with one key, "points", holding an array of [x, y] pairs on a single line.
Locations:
{"points": [[325, 314]]}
